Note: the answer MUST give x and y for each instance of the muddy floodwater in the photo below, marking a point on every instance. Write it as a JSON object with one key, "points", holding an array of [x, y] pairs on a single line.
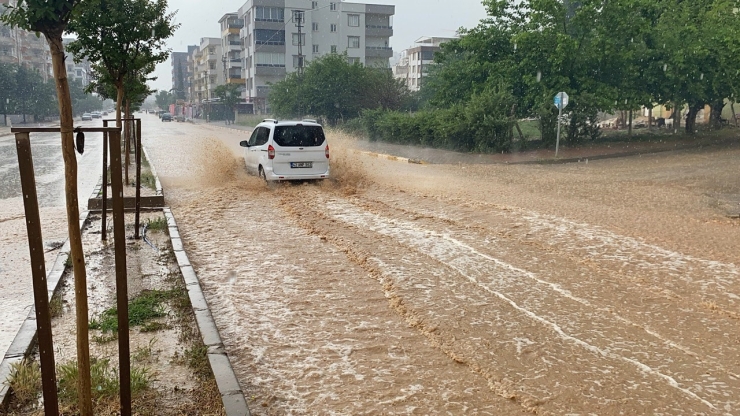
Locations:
{"points": [[16, 290], [603, 288]]}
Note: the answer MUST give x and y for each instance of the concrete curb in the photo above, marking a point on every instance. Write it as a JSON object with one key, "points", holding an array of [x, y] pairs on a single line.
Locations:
{"points": [[25, 339], [391, 157], [228, 385]]}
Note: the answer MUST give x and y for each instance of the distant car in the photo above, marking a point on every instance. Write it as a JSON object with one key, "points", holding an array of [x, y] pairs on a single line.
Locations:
{"points": [[86, 116], [180, 118], [105, 113], [287, 151], [96, 114], [166, 117]]}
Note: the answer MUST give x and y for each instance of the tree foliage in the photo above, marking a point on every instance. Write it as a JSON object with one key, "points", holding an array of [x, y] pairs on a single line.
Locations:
{"points": [[334, 89], [122, 38], [230, 96]]}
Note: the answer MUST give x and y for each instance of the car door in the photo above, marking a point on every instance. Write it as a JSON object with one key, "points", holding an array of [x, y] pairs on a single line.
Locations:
{"points": [[249, 155], [259, 150]]}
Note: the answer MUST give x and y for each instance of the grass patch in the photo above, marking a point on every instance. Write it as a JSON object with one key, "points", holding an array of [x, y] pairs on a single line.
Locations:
{"points": [[144, 308], [251, 120], [148, 180], [104, 381], [105, 338], [56, 305], [68, 261], [25, 381], [157, 224], [196, 358]]}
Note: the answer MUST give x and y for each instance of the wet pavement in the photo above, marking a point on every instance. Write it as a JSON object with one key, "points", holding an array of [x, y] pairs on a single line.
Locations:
{"points": [[15, 275]]}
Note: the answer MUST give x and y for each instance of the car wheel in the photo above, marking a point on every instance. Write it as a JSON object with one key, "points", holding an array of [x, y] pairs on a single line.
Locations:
{"points": [[262, 174]]}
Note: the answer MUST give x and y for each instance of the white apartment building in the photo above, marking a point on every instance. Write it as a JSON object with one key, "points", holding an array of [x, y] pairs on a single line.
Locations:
{"points": [[231, 47], [416, 61], [273, 46], [204, 65]]}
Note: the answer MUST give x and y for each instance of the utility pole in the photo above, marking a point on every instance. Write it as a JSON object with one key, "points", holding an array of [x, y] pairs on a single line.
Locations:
{"points": [[298, 17]]}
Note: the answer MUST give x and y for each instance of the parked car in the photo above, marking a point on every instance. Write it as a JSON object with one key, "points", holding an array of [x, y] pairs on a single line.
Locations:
{"points": [[287, 150], [180, 118], [96, 114], [86, 116], [166, 117]]}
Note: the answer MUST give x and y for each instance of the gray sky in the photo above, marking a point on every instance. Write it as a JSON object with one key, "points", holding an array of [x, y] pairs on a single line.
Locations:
{"points": [[413, 19]]}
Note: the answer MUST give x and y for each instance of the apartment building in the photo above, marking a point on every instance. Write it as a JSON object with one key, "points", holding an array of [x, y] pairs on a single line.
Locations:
{"points": [[415, 61], [231, 47], [18, 46], [180, 70], [77, 71], [204, 67], [279, 37]]}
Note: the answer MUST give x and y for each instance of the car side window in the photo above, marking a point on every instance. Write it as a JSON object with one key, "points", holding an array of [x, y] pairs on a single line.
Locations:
{"points": [[263, 136], [253, 138]]}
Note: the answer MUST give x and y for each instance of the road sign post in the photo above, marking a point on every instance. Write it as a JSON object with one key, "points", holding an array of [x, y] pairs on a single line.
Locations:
{"points": [[561, 100]]}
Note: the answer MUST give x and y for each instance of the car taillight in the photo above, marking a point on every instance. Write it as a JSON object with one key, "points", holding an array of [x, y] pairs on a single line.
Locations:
{"points": [[326, 151], [270, 152]]}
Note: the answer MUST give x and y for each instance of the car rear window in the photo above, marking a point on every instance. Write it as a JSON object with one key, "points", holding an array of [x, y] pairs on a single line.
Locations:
{"points": [[298, 136]]}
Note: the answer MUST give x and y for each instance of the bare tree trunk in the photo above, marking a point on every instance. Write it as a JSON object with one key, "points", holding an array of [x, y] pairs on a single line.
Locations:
{"points": [[629, 131], [732, 107], [84, 390], [650, 117]]}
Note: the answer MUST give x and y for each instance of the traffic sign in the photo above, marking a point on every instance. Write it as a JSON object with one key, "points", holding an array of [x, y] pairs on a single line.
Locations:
{"points": [[561, 100]]}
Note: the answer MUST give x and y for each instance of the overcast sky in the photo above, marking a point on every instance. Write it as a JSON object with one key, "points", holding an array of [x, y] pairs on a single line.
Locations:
{"points": [[413, 19]]}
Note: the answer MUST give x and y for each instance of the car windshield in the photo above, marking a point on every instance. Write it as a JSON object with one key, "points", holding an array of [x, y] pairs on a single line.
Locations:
{"points": [[299, 136]]}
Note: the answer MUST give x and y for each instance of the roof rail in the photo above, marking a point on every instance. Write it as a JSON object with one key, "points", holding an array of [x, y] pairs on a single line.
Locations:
{"points": [[270, 119], [309, 120]]}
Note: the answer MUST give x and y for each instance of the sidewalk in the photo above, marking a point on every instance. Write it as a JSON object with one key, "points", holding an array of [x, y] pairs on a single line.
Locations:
{"points": [[222, 124]]}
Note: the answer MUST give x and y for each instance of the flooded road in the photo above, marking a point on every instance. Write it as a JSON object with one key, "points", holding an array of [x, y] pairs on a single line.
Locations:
{"points": [[16, 296], [603, 288]]}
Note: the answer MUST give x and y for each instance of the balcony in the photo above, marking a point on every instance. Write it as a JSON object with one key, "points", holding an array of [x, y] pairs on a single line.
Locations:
{"points": [[378, 52], [270, 71], [380, 9], [378, 31], [262, 92]]}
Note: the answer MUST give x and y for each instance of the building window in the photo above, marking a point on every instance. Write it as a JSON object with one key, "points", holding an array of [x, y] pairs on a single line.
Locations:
{"points": [[315, 26], [333, 28], [353, 20], [269, 37], [353, 42], [314, 5], [211, 51], [299, 40], [333, 6], [315, 48], [333, 48], [298, 61], [427, 55], [269, 14], [352, 61], [270, 59]]}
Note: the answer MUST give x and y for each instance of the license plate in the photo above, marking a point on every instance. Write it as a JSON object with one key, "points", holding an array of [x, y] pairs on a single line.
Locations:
{"points": [[301, 164]]}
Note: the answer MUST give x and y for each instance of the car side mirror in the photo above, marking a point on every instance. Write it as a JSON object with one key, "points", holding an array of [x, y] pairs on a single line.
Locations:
{"points": [[244, 143]]}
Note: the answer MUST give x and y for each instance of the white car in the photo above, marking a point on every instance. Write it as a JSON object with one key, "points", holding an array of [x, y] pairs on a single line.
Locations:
{"points": [[287, 150]]}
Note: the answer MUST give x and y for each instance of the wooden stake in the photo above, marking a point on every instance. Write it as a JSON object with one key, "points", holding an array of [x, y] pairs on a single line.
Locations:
{"points": [[119, 239], [104, 215], [38, 271], [138, 179]]}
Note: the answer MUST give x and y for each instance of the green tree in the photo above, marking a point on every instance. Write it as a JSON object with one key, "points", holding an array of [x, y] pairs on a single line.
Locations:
{"points": [[164, 99], [122, 38], [332, 88], [7, 88], [51, 18], [230, 96]]}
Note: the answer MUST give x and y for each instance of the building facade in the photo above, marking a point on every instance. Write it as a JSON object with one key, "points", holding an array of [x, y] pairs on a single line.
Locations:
{"points": [[180, 72], [415, 62], [280, 36], [204, 64], [231, 47], [21, 47]]}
